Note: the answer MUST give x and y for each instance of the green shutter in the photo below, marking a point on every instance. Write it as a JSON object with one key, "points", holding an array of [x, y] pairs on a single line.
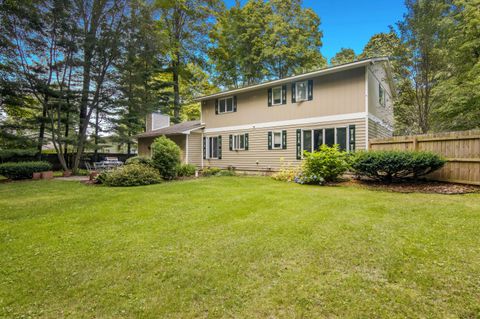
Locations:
{"points": [[310, 90], [204, 147], [219, 147], [246, 141], [216, 106], [284, 139], [299, 144], [284, 94], [294, 95], [270, 97], [351, 138], [230, 142], [269, 140]]}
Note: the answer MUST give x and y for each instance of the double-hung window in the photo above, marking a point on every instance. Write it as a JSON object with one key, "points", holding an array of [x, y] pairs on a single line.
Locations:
{"points": [[239, 142], [277, 95], [301, 91], [277, 140], [225, 105], [381, 95]]}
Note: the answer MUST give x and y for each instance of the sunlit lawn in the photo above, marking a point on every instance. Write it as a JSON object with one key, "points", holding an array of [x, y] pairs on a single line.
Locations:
{"points": [[245, 247]]}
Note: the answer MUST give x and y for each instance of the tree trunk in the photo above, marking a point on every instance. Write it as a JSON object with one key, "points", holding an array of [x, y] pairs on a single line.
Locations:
{"points": [[95, 152], [41, 133]]}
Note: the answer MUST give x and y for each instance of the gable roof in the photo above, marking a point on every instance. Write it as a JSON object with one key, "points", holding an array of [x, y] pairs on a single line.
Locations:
{"points": [[181, 128], [320, 72]]}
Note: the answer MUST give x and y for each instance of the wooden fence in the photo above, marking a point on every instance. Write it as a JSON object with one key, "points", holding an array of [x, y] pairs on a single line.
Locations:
{"points": [[460, 149]]}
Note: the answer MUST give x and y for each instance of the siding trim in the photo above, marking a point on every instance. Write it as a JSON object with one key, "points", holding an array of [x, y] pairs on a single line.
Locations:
{"points": [[309, 120], [380, 122]]}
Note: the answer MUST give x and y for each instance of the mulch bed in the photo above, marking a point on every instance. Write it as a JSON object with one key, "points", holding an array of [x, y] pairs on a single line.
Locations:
{"points": [[417, 187]]}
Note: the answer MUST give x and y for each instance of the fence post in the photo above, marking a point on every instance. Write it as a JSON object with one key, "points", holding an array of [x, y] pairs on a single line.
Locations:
{"points": [[415, 143]]}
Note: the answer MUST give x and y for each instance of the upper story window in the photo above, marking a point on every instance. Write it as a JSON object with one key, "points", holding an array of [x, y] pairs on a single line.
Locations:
{"points": [[277, 95], [381, 95], [226, 105], [302, 91]]}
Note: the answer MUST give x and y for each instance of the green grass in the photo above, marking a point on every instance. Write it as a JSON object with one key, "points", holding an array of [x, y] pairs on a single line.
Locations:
{"points": [[243, 247]]}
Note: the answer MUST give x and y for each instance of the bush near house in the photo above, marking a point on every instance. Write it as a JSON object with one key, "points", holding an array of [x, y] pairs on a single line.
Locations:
{"points": [[395, 165], [23, 170], [130, 175], [287, 173], [185, 170], [325, 165], [139, 160], [211, 171], [165, 157]]}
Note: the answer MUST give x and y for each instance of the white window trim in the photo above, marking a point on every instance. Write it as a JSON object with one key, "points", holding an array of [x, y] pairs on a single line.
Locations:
{"points": [[347, 145], [281, 95], [234, 144], [382, 100], [297, 97], [225, 99], [208, 147], [273, 140]]}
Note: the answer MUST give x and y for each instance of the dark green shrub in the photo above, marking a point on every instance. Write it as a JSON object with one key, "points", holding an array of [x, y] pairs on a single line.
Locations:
{"points": [[165, 157], [23, 170], [139, 160], [184, 170], [211, 171], [391, 165], [325, 165], [8, 154], [130, 175], [226, 172]]}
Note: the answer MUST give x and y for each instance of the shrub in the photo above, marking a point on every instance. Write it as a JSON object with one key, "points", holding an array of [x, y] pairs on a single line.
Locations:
{"points": [[390, 165], [287, 173], [211, 171], [23, 170], [226, 172], [184, 170], [10, 154], [165, 157], [130, 175], [325, 165], [139, 160]]}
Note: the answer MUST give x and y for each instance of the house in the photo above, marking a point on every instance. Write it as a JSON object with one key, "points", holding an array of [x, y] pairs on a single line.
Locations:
{"points": [[259, 127]]}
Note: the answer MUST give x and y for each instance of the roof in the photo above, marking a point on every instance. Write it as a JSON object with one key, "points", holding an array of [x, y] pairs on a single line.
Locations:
{"points": [[181, 128], [320, 72]]}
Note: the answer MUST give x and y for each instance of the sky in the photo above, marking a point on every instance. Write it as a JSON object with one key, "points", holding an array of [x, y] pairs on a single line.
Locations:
{"points": [[351, 23]]}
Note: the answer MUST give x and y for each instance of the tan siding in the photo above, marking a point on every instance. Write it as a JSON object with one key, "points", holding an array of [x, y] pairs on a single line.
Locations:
{"points": [[144, 146], [195, 150], [339, 93], [272, 159], [376, 75], [376, 130]]}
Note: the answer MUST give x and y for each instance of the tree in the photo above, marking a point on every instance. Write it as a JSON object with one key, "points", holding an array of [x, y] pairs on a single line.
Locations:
{"points": [[186, 24], [421, 33], [345, 55]]}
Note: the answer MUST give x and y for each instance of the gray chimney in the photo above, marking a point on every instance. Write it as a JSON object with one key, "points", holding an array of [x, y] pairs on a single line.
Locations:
{"points": [[157, 121]]}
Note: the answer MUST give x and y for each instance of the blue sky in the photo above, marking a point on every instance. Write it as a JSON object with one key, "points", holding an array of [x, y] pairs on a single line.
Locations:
{"points": [[351, 23]]}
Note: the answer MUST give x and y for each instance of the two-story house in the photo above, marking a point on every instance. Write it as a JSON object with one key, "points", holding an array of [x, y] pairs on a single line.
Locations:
{"points": [[260, 126]]}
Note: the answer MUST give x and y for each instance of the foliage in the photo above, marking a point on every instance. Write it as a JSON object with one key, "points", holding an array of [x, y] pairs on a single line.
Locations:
{"points": [[23, 170], [287, 172], [211, 171], [260, 41], [165, 157], [345, 55], [131, 175], [226, 172], [325, 165], [7, 154], [139, 160], [185, 170], [392, 165]]}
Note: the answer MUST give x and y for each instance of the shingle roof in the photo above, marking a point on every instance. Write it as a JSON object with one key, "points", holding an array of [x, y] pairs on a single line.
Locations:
{"points": [[181, 128]]}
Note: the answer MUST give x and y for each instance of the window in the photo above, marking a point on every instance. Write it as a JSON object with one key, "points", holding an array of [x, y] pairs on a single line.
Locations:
{"points": [[277, 139], [277, 95], [307, 141], [330, 136], [213, 147], [225, 105], [341, 138], [301, 89], [239, 142], [381, 95], [313, 139]]}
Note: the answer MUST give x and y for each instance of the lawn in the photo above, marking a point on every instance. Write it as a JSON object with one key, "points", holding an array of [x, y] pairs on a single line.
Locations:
{"points": [[244, 247]]}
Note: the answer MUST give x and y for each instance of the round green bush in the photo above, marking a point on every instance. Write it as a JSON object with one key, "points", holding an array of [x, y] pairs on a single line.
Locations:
{"points": [[185, 170], [139, 160], [23, 170], [130, 175], [394, 165], [165, 157], [325, 165]]}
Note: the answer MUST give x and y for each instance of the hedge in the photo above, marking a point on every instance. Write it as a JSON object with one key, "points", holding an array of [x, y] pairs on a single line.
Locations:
{"points": [[23, 170], [130, 175]]}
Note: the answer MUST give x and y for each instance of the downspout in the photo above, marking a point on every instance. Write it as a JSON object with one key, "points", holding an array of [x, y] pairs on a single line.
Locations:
{"points": [[186, 149]]}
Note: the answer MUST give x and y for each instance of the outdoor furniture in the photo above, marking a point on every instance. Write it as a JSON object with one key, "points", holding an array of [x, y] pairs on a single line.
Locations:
{"points": [[107, 164]]}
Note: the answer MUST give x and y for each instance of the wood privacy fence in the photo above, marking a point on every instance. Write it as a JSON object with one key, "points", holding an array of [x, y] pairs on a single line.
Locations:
{"points": [[460, 149]]}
